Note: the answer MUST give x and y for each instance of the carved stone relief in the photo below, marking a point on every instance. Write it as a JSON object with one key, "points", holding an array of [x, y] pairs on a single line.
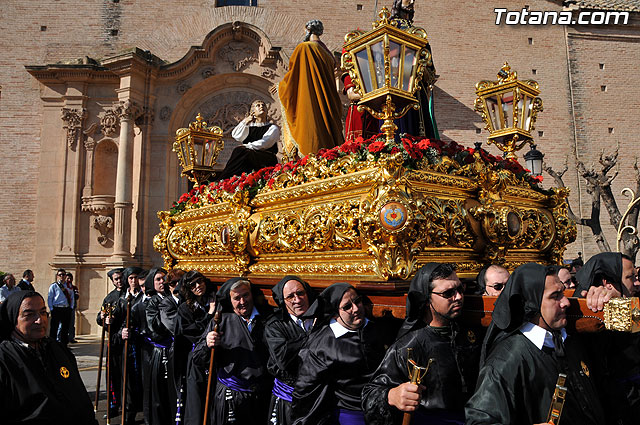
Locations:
{"points": [[73, 120], [207, 72], [103, 224], [110, 123], [128, 110], [165, 113], [182, 87], [228, 110], [238, 54]]}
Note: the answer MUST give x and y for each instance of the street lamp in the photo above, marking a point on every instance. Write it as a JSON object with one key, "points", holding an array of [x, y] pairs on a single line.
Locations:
{"points": [[198, 148], [509, 108], [386, 66], [533, 158]]}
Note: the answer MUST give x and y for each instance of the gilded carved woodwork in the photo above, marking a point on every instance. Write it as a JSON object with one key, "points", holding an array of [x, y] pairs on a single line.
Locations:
{"points": [[622, 314], [368, 218]]}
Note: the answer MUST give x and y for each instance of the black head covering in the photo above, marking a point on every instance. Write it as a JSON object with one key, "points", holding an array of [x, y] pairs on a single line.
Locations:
{"points": [[331, 298], [417, 299], [278, 298], [111, 272], [128, 272], [606, 265], [185, 283], [481, 281], [223, 297], [518, 303], [149, 287], [9, 310]]}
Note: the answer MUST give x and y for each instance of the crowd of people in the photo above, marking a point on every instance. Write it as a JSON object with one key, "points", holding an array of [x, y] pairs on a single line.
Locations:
{"points": [[185, 349]]}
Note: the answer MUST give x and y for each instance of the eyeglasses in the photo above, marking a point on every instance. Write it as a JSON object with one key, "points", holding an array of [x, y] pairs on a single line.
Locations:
{"points": [[449, 293], [497, 286], [349, 305], [301, 293], [60, 274], [32, 316]]}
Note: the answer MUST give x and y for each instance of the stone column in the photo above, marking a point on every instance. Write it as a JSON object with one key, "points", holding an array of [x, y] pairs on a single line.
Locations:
{"points": [[128, 111]]}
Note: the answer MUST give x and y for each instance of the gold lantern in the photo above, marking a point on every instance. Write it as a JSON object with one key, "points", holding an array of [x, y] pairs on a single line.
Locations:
{"points": [[509, 108], [198, 148], [386, 66]]}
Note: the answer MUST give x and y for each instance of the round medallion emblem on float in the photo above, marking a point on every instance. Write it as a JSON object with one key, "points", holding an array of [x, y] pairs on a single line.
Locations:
{"points": [[393, 215]]}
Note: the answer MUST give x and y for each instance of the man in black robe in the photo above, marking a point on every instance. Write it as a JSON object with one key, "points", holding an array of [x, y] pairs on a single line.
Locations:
{"points": [[168, 308], [121, 332], [194, 315], [526, 348], [115, 355], [430, 333], [286, 333], [338, 360], [259, 140], [243, 383], [159, 393], [604, 276], [39, 378]]}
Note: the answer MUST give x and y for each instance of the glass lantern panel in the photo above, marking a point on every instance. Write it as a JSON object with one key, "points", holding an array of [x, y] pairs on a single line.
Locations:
{"points": [[407, 72], [377, 51], [507, 109], [208, 152], [185, 153], [494, 113], [198, 148], [362, 59], [394, 61], [526, 113]]}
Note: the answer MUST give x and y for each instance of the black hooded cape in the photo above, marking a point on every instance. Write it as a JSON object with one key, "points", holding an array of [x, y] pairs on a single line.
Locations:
{"points": [[517, 379], [333, 370], [285, 338], [39, 385], [241, 356]]}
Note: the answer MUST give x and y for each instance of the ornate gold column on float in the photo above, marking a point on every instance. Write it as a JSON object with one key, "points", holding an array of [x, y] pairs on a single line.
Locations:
{"points": [[509, 108], [386, 66]]}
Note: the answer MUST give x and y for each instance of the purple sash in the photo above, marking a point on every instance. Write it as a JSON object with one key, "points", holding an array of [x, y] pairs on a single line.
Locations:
{"points": [[235, 384], [165, 343], [282, 390], [350, 417]]}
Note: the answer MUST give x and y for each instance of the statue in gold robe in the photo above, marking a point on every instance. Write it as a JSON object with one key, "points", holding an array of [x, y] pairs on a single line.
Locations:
{"points": [[311, 107]]}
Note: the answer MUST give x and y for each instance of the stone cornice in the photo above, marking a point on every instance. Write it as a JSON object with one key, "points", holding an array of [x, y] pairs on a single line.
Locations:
{"points": [[61, 73]]}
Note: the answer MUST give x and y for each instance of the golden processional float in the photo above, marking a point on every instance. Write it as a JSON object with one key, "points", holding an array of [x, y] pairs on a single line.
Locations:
{"points": [[372, 212]]}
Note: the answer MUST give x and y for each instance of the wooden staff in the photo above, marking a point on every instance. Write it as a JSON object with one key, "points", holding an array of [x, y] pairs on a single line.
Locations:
{"points": [[108, 380], [95, 407], [124, 363], [216, 326]]}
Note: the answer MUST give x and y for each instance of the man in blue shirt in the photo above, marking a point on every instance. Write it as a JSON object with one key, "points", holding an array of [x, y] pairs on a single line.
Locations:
{"points": [[8, 287], [60, 305]]}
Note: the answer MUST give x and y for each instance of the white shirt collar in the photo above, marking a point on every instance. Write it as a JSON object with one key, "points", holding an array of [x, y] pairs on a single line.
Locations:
{"points": [[339, 330], [540, 337], [303, 323]]}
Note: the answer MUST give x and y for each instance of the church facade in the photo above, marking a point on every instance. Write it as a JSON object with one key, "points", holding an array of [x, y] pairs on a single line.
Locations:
{"points": [[93, 92]]}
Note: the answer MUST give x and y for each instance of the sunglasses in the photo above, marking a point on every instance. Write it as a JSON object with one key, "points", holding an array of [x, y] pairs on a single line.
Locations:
{"points": [[349, 305], [301, 293], [497, 286], [449, 293]]}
